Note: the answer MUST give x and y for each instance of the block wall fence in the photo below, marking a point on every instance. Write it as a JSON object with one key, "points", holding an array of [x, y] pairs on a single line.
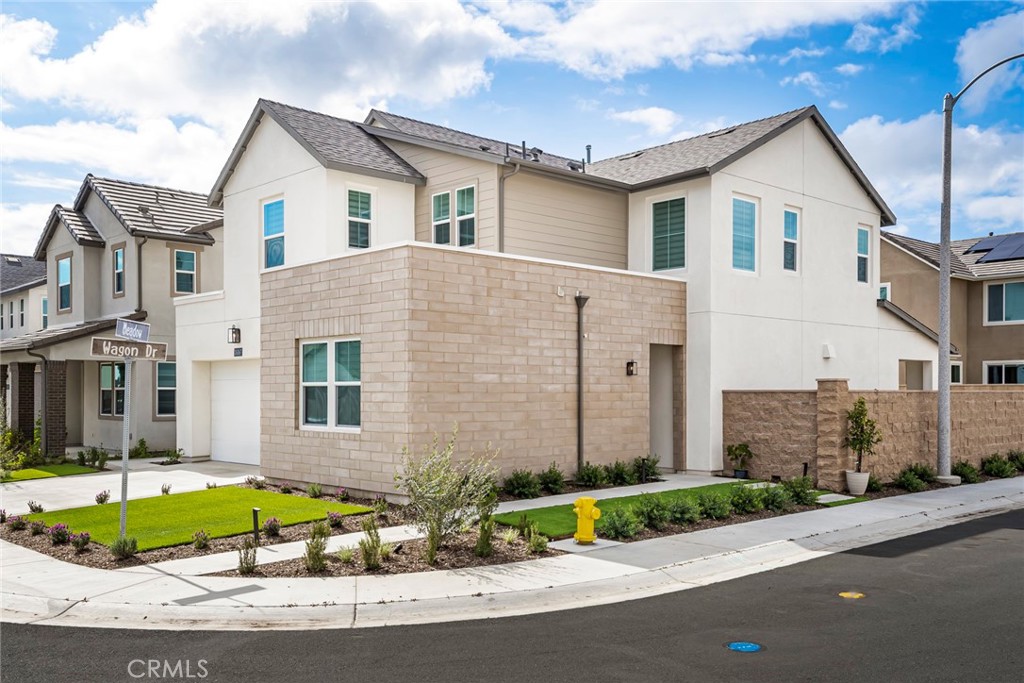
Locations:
{"points": [[786, 429]]}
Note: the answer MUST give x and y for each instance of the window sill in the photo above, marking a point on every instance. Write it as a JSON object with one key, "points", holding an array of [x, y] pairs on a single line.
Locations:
{"points": [[330, 430]]}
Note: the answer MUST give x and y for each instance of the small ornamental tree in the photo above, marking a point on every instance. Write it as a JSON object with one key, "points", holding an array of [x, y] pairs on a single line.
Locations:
{"points": [[862, 432], [446, 496]]}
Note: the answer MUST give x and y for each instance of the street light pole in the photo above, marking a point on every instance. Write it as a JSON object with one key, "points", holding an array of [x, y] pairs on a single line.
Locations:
{"points": [[948, 102]]}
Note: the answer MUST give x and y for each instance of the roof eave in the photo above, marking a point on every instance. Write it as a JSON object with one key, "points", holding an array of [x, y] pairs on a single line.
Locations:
{"points": [[889, 306], [908, 252], [191, 238], [389, 134], [12, 344], [674, 178], [216, 197], [24, 286], [204, 227]]}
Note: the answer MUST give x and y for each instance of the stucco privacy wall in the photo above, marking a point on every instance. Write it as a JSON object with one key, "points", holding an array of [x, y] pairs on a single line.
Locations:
{"points": [[783, 432], [485, 340]]}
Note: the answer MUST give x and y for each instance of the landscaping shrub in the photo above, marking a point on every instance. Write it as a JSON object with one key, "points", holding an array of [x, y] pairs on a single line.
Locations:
{"points": [[591, 476], [510, 535], [37, 527], [777, 499], [646, 469], [651, 511], [247, 557], [683, 510], [80, 458], [1016, 458], [923, 472], [16, 523], [315, 557], [874, 484], [714, 505], [124, 547], [747, 500], [80, 541], [484, 547], [271, 526], [285, 487], [101, 460], [34, 507], [165, 489], [102, 497], [620, 474], [524, 525], [3, 516], [314, 490], [386, 551], [255, 482], [909, 481], [139, 450], [446, 496], [370, 545], [862, 433], [380, 505], [347, 555], [341, 495], [967, 472], [552, 480], [201, 540], [335, 519], [59, 534], [621, 523], [801, 490], [995, 466], [522, 484], [537, 543]]}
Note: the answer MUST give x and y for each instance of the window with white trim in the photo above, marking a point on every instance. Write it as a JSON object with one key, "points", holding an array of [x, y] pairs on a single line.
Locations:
{"points": [[64, 284], [273, 234], [465, 215], [360, 217], [184, 272], [1004, 303], [10, 313], [956, 372], [21, 312], [1004, 372], [46, 312], [668, 234], [885, 291], [166, 388], [118, 258], [441, 217], [330, 380], [863, 254], [744, 235], [790, 240], [112, 389]]}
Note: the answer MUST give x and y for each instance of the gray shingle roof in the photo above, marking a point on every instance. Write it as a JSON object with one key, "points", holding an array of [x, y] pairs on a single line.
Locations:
{"points": [[961, 263], [701, 153], [19, 272]]}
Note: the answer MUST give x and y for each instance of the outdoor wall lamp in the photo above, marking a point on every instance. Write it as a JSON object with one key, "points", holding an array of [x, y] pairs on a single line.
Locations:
{"points": [[630, 368], [234, 335]]}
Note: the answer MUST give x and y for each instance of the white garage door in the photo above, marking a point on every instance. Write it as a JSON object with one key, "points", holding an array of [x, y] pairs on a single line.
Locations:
{"points": [[235, 411]]}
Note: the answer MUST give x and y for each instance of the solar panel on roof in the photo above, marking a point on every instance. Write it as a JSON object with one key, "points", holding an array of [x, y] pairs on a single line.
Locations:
{"points": [[987, 243], [1010, 248]]}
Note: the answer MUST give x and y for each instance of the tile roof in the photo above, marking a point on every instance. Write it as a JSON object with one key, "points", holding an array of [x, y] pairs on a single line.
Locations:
{"points": [[148, 209], [700, 153], [80, 227], [961, 263], [19, 272]]}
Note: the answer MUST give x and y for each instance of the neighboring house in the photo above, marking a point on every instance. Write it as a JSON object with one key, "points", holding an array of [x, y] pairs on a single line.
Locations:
{"points": [[22, 304], [391, 277], [122, 249], [986, 300]]}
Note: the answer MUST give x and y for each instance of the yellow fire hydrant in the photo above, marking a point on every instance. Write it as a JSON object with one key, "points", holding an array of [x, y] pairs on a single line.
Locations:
{"points": [[586, 514]]}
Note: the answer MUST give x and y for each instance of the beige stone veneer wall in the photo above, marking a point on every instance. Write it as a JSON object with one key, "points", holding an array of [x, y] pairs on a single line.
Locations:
{"points": [[786, 428], [452, 335]]}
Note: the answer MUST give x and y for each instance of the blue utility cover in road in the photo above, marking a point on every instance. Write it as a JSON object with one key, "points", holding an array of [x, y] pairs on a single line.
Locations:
{"points": [[743, 646]]}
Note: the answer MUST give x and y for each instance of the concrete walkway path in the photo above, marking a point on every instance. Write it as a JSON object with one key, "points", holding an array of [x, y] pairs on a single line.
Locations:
{"points": [[39, 589]]}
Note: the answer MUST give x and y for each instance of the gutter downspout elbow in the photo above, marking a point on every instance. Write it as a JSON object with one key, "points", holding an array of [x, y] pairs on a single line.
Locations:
{"points": [[501, 205], [43, 402]]}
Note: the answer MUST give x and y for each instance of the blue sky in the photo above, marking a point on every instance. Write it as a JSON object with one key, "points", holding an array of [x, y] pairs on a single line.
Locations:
{"points": [[158, 92]]}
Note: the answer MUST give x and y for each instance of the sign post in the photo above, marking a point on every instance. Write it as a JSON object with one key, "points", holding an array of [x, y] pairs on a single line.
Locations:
{"points": [[132, 344]]}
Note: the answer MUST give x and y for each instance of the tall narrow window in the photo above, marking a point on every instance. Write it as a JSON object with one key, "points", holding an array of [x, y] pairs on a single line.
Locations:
{"points": [[184, 272], [10, 313], [863, 253], [744, 235], [790, 239], [331, 380], [465, 215], [347, 378], [442, 218], [359, 218], [21, 312], [668, 223], [166, 389], [273, 234], [118, 271], [956, 369], [112, 389], [314, 384], [64, 284], [46, 312]]}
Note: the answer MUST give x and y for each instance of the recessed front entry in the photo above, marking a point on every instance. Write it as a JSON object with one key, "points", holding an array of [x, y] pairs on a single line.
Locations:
{"points": [[661, 409]]}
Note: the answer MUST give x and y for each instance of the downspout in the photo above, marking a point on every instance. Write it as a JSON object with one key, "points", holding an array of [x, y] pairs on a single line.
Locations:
{"points": [[501, 206], [138, 270], [581, 301], [42, 428]]}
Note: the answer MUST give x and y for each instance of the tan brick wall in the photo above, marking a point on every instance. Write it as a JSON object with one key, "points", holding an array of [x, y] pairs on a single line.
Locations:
{"points": [[783, 427], [461, 336]]}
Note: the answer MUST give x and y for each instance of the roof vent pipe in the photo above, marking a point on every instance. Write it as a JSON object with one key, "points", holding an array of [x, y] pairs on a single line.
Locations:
{"points": [[523, 153], [588, 154]]}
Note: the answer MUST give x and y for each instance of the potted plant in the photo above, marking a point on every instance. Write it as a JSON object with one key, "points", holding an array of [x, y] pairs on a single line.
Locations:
{"points": [[862, 434], [739, 454]]}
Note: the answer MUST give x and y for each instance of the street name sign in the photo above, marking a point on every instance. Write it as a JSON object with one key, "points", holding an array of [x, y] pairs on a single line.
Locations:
{"points": [[132, 330], [120, 348]]}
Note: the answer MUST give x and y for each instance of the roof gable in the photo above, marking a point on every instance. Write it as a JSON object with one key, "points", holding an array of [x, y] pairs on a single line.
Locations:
{"points": [[963, 262]]}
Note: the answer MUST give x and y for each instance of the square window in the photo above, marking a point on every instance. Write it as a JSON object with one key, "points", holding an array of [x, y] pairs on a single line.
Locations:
{"points": [[331, 392]]}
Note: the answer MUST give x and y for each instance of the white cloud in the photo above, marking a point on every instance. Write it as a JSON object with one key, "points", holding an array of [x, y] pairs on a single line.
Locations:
{"points": [[809, 80], [836, 104], [903, 161], [867, 37], [43, 181], [801, 53], [658, 120], [985, 45], [849, 69], [23, 223]]}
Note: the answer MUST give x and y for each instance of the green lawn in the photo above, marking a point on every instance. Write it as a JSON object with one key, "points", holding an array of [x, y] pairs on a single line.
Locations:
{"points": [[163, 521], [838, 503], [559, 521], [45, 471]]}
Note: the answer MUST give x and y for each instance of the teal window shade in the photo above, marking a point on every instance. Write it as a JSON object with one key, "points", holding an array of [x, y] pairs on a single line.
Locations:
{"points": [[314, 362], [166, 388], [863, 250], [46, 312], [465, 215], [184, 271], [314, 381], [64, 284], [790, 239], [347, 361], [273, 234], [118, 271], [669, 234], [1013, 301], [347, 406], [331, 392], [442, 213], [359, 217], [744, 235]]}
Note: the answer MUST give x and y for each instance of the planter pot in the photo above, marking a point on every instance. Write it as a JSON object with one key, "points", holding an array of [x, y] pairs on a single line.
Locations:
{"points": [[857, 482], [740, 474]]}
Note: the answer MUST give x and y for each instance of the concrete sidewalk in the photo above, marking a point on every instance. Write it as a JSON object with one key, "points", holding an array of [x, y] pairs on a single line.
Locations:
{"points": [[39, 589]]}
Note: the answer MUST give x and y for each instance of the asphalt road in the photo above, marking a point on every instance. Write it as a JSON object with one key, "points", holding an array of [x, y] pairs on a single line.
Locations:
{"points": [[946, 605]]}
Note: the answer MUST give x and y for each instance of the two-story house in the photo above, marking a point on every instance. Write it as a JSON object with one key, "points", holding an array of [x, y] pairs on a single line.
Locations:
{"points": [[122, 249], [23, 304], [387, 278], [986, 300]]}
